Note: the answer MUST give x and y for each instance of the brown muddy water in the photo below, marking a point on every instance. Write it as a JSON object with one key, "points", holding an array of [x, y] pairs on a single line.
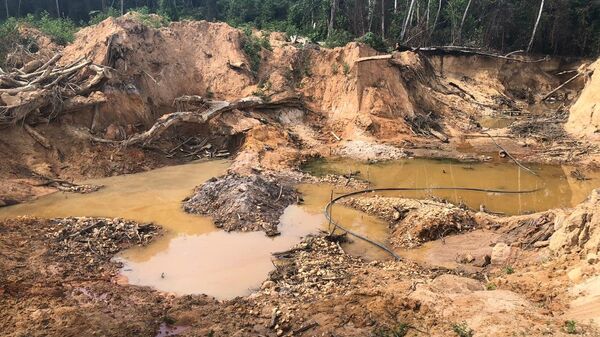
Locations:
{"points": [[195, 257]]}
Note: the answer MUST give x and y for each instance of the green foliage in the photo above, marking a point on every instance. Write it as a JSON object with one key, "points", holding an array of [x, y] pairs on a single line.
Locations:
{"points": [[252, 47], [374, 41], [509, 270], [61, 31], [98, 16], [570, 27], [9, 37], [490, 286], [399, 330], [571, 327], [346, 67], [335, 68], [338, 38], [209, 93], [148, 19], [462, 330]]}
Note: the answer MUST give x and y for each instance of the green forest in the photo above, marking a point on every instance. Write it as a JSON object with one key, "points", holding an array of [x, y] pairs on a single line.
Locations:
{"points": [[554, 27]]}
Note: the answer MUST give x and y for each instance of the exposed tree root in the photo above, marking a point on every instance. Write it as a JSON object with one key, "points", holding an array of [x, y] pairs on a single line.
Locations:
{"points": [[47, 89]]}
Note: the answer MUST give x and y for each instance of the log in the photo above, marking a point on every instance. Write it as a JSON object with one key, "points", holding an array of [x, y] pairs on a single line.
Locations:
{"points": [[37, 136], [215, 108], [562, 86], [376, 57]]}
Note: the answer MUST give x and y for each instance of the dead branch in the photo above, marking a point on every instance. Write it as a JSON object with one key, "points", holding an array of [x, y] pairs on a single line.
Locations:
{"points": [[510, 156], [37, 136], [562, 86], [452, 50]]}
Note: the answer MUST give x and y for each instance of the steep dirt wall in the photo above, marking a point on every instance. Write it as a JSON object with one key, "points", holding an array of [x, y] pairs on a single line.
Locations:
{"points": [[584, 117], [154, 66], [496, 76]]}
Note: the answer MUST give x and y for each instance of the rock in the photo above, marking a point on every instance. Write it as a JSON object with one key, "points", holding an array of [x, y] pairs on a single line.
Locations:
{"points": [[482, 261], [267, 285], [500, 253], [575, 275], [114, 132], [465, 258], [591, 258], [541, 244]]}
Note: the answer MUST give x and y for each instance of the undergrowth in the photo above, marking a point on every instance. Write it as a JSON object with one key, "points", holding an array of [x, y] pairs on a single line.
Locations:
{"points": [[399, 330], [61, 31], [252, 47], [462, 330], [374, 41]]}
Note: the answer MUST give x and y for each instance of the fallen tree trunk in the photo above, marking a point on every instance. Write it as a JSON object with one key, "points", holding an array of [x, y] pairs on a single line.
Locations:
{"points": [[215, 108], [562, 86], [37, 137], [450, 50]]}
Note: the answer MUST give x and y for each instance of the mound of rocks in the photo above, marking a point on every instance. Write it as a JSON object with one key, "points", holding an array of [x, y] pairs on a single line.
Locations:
{"points": [[415, 221], [243, 203]]}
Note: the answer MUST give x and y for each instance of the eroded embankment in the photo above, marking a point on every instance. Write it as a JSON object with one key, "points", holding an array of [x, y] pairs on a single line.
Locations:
{"points": [[321, 98]]}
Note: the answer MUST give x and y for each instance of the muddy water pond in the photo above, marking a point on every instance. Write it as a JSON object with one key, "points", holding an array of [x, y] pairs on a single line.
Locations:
{"points": [[195, 257]]}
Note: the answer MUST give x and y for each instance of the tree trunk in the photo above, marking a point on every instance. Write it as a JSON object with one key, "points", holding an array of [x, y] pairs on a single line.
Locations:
{"points": [[371, 9], [334, 7], [395, 6], [537, 22], [408, 16], [437, 16], [462, 22], [383, 19], [427, 15], [6, 6], [122, 7], [57, 9]]}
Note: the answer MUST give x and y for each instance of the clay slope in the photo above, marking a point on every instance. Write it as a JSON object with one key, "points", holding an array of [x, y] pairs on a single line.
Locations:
{"points": [[584, 118]]}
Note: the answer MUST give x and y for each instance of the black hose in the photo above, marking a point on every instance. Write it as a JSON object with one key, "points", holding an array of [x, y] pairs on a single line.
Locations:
{"points": [[371, 190]]}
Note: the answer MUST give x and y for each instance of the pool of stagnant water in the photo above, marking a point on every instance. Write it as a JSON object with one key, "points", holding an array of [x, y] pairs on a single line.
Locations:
{"points": [[195, 257]]}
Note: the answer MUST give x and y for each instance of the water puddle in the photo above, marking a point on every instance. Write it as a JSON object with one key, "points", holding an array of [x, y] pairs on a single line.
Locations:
{"points": [[557, 187], [494, 122], [195, 257]]}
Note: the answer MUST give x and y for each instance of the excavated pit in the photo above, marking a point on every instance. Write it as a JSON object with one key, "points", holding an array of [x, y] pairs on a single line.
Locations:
{"points": [[304, 106]]}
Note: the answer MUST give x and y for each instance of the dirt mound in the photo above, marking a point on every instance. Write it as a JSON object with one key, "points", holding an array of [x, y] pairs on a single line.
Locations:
{"points": [[584, 118], [243, 203], [168, 62], [415, 221]]}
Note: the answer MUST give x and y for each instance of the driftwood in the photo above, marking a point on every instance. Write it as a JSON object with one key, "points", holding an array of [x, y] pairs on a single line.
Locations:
{"points": [[47, 89]]}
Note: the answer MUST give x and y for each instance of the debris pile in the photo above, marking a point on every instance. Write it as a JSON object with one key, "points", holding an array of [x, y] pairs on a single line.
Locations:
{"points": [[312, 268], [414, 222], [97, 239], [243, 203], [363, 150], [41, 90]]}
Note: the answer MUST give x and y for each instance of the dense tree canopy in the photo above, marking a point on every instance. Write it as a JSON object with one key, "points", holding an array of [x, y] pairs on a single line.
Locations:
{"points": [[568, 27]]}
